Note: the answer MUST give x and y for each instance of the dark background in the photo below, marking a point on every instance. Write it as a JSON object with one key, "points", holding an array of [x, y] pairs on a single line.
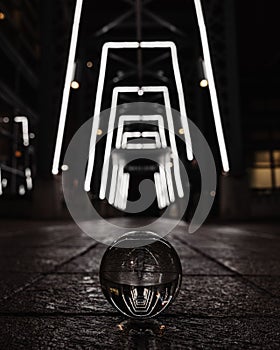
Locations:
{"points": [[35, 37]]}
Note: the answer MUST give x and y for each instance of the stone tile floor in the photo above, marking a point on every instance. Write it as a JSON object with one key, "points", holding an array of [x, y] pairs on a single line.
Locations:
{"points": [[50, 296]]}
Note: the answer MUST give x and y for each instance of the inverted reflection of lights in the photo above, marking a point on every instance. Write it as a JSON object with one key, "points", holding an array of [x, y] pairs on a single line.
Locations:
{"points": [[25, 134], [111, 124], [140, 281], [100, 87], [212, 86], [66, 91]]}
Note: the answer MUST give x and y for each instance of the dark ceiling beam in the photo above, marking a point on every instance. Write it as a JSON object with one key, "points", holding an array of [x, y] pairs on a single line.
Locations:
{"points": [[16, 58], [15, 102]]}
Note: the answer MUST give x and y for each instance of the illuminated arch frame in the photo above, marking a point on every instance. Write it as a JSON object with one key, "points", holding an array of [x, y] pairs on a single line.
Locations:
{"points": [[166, 176], [119, 195], [111, 124], [70, 70]]}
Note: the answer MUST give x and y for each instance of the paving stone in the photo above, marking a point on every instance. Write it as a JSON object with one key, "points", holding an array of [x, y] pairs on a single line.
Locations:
{"points": [[69, 293], [10, 282], [39, 259], [88, 262], [269, 283], [110, 332], [52, 299], [223, 296]]}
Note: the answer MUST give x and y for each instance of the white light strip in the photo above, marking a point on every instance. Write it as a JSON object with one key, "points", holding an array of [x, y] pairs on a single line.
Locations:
{"points": [[126, 188], [160, 199], [179, 85], [212, 86], [99, 93], [164, 185], [169, 182], [113, 184], [1, 189], [119, 191], [25, 132], [67, 85], [141, 146]]}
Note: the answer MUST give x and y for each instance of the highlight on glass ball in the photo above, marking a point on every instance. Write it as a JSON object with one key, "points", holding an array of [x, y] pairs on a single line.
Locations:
{"points": [[140, 274]]}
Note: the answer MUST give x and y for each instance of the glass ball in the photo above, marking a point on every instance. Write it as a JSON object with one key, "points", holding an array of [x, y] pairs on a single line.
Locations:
{"points": [[140, 274]]}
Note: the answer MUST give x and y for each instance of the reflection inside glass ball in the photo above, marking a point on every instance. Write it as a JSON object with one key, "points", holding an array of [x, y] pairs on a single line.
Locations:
{"points": [[140, 274]]}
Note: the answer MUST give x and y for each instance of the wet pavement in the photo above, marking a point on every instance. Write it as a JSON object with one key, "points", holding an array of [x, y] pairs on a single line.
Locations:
{"points": [[50, 296]]}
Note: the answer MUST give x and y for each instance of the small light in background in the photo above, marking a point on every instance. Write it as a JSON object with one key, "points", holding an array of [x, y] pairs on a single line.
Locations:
{"points": [[6, 120], [32, 135], [75, 85], [140, 92], [213, 193], [2, 16], [181, 131], [89, 64], [4, 182], [21, 190], [203, 83], [18, 154], [99, 132], [64, 167]]}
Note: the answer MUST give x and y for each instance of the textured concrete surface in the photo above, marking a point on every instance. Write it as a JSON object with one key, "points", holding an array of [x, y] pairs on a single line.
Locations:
{"points": [[50, 296]]}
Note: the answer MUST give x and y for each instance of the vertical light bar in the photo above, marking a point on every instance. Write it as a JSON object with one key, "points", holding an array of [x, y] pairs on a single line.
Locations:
{"points": [[118, 198], [158, 190], [66, 91], [25, 132], [212, 86], [164, 184], [113, 184], [1, 189], [127, 178], [169, 182]]}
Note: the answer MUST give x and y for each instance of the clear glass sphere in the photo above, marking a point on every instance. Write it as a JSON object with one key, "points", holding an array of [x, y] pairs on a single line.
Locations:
{"points": [[140, 274]]}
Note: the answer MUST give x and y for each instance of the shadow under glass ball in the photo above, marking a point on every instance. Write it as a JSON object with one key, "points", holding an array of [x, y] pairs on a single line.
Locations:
{"points": [[140, 274]]}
